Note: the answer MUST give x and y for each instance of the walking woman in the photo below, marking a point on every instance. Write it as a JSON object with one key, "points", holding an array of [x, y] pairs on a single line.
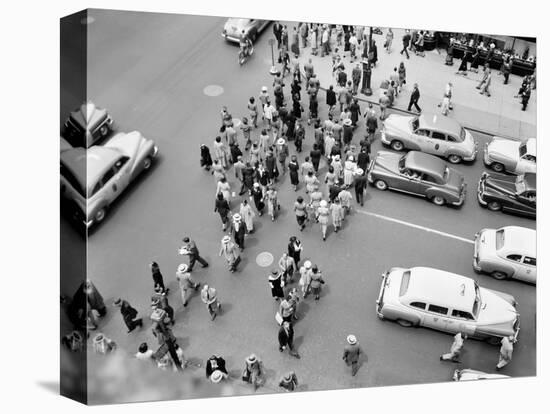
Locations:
{"points": [[255, 153], [225, 189], [276, 284], [222, 208], [206, 158], [402, 75], [221, 153], [247, 215], [258, 197], [323, 213], [337, 215], [294, 169], [301, 212], [355, 110], [316, 281], [295, 249], [253, 111], [349, 168], [272, 203], [315, 201]]}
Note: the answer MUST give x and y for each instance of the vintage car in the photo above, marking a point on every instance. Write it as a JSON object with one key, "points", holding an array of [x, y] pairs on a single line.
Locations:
{"points": [[444, 301], [87, 125], [233, 27], [469, 374], [433, 134], [91, 179], [515, 194], [516, 157], [419, 174], [507, 253]]}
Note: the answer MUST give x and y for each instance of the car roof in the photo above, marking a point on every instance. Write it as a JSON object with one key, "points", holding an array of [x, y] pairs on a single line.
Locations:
{"points": [[95, 160], [521, 240], [439, 123], [442, 288], [426, 163], [88, 115]]}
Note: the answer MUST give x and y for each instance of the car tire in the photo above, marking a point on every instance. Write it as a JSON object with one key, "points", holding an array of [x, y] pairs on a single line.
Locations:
{"points": [[381, 185], [438, 200], [405, 323], [100, 214], [147, 162], [494, 206], [497, 167], [397, 145], [493, 340], [499, 275], [454, 159], [104, 130]]}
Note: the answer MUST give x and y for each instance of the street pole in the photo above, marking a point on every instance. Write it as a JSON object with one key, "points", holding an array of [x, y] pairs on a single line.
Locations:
{"points": [[367, 71], [273, 70]]}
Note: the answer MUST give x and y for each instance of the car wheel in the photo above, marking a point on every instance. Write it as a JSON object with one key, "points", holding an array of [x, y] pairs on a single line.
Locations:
{"points": [[404, 323], [493, 340], [494, 206], [498, 167], [100, 215], [147, 162], [454, 159], [104, 130], [397, 145], [438, 200], [381, 185], [499, 275]]}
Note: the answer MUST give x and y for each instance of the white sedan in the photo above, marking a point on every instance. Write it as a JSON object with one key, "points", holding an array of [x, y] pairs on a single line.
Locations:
{"points": [[515, 157], [507, 253]]}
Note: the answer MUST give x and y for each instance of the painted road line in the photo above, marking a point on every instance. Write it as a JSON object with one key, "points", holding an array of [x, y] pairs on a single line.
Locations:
{"points": [[415, 226]]}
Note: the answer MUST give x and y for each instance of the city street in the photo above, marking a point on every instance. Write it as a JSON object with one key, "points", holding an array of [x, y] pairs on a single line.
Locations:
{"points": [[168, 77]]}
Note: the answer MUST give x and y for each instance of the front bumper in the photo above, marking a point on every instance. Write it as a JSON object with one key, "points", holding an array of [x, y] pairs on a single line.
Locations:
{"points": [[475, 261], [384, 138], [480, 191], [231, 38], [473, 156]]}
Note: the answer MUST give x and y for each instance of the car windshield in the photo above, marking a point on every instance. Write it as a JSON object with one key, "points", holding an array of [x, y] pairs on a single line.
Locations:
{"points": [[446, 173], [415, 123], [462, 134], [405, 282], [477, 301], [401, 163], [65, 172], [499, 239], [522, 149], [520, 184]]}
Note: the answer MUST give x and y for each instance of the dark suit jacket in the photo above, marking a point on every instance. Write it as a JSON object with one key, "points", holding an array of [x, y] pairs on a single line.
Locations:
{"points": [[286, 339]]}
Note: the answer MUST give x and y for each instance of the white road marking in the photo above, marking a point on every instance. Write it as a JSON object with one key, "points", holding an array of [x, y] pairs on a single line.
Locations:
{"points": [[415, 226]]}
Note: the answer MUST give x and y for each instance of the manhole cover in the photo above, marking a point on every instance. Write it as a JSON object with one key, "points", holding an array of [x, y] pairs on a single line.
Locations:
{"points": [[264, 259], [213, 90]]}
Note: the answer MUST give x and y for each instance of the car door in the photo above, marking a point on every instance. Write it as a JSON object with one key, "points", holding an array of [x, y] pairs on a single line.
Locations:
{"points": [[527, 163], [515, 262], [527, 270], [437, 318], [462, 321], [410, 182], [526, 202], [422, 138], [438, 143], [122, 174]]}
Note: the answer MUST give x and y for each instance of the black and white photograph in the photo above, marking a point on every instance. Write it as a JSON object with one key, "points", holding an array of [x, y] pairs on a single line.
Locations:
{"points": [[287, 203]]}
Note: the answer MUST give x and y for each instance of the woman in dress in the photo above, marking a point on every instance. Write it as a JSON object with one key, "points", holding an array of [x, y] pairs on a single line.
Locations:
{"points": [[271, 201], [295, 45], [206, 159], [300, 208], [311, 182], [225, 189], [463, 68], [255, 153], [264, 144], [355, 110], [329, 143], [337, 215], [221, 152], [294, 169], [248, 215], [389, 40], [402, 75], [322, 214], [258, 197], [337, 165], [253, 111], [276, 284], [314, 201], [330, 177], [349, 168], [217, 170]]}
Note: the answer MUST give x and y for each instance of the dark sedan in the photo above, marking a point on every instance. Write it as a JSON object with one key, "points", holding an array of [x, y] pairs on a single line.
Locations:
{"points": [[517, 195], [420, 174]]}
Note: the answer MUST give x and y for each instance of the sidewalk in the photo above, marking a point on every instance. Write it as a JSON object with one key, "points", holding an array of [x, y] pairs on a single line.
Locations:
{"points": [[500, 114]]}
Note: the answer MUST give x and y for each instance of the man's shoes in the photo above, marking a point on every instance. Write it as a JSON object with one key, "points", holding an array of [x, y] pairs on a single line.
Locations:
{"points": [[206, 265]]}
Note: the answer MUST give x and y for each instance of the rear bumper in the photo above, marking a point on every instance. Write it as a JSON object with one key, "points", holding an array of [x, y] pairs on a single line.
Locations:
{"points": [[384, 138], [231, 38], [462, 197]]}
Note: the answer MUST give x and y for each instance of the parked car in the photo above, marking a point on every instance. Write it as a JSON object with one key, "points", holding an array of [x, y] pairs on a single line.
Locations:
{"points": [[507, 253], [419, 174], [515, 194], [91, 179], [469, 374], [432, 298], [516, 157], [434, 134], [87, 125], [233, 27]]}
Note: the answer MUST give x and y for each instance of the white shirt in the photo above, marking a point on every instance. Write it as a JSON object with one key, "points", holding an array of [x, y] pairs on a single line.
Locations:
{"points": [[144, 356]]}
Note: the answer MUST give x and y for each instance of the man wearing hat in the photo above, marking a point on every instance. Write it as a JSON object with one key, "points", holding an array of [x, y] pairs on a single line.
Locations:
{"points": [[157, 277], [352, 353], [289, 381], [347, 131], [282, 153], [238, 230], [209, 296], [286, 339], [360, 185], [215, 365], [160, 300], [253, 371], [129, 315], [506, 351], [305, 277], [230, 252], [190, 249], [276, 284], [456, 348], [187, 284]]}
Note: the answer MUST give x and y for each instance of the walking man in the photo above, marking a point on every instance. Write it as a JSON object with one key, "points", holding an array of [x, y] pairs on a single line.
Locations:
{"points": [[295, 250], [157, 277], [360, 185], [222, 208], [186, 282], [129, 315], [253, 371], [301, 214], [286, 339], [209, 296], [287, 266], [456, 348], [406, 41], [289, 382], [190, 249], [415, 96], [352, 353], [230, 252], [238, 231], [506, 350]]}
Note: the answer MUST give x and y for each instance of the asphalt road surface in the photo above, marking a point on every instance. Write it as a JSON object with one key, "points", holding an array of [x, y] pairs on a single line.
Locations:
{"points": [[150, 71]]}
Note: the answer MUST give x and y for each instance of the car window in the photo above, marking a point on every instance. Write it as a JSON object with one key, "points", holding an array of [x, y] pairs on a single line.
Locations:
{"points": [[438, 135], [108, 175], [423, 132], [68, 175], [415, 124], [531, 261], [419, 305], [530, 196], [499, 239], [404, 282], [530, 158], [462, 134], [462, 314], [401, 163], [96, 188], [514, 257], [120, 163], [452, 138], [522, 149], [438, 309], [429, 178]]}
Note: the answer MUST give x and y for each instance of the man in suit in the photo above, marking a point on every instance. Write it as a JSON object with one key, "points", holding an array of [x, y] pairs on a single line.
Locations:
{"points": [[286, 339], [278, 31], [190, 248], [238, 231], [129, 315], [415, 96], [352, 353], [406, 41], [360, 183]]}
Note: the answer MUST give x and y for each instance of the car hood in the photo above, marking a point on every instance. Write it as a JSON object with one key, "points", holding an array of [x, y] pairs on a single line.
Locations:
{"points": [[130, 144], [486, 243], [500, 148], [398, 123], [388, 160], [235, 26], [497, 314], [501, 183]]}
